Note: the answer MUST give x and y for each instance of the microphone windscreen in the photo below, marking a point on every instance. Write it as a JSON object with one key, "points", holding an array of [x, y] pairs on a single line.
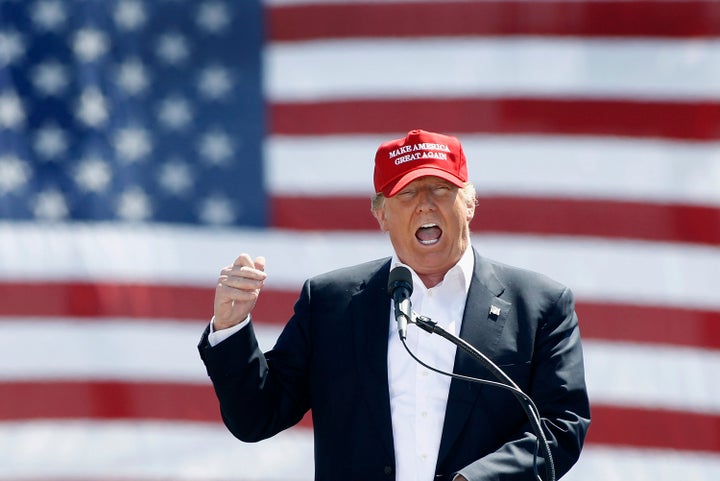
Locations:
{"points": [[400, 277]]}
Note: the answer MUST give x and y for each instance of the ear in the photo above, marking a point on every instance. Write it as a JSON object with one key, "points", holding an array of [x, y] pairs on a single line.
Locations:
{"points": [[470, 211], [380, 216]]}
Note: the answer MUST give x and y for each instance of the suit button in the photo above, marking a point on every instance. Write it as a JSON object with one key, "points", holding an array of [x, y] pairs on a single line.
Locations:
{"points": [[388, 470]]}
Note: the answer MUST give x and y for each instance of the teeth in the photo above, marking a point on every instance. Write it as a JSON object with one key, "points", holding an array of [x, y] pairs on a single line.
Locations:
{"points": [[426, 226]]}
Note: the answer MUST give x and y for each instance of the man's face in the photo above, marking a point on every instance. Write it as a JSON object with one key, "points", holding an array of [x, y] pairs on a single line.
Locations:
{"points": [[428, 223]]}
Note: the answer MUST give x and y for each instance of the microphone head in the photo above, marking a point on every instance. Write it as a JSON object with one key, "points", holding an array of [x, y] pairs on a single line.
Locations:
{"points": [[400, 277]]}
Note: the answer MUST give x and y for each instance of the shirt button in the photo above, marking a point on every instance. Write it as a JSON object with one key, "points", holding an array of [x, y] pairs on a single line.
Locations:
{"points": [[423, 414], [388, 470]]}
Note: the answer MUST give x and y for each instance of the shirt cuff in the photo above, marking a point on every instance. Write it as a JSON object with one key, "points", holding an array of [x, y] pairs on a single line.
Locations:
{"points": [[216, 337]]}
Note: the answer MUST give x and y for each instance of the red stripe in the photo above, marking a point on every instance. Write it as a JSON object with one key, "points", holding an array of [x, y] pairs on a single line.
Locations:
{"points": [[523, 215], [131, 301], [654, 428], [649, 324], [104, 299], [602, 321], [686, 120], [110, 400], [105, 400], [423, 19], [97, 300]]}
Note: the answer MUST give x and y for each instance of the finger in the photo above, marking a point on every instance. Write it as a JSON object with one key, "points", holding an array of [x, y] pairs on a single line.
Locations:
{"points": [[244, 260], [237, 295], [246, 272], [245, 267], [260, 263], [242, 282]]}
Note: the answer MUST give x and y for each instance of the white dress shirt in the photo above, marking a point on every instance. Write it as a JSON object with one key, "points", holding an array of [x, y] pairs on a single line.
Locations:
{"points": [[418, 397]]}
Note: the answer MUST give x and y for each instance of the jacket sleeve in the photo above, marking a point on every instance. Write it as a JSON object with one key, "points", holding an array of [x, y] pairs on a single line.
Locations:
{"points": [[557, 387], [261, 394]]}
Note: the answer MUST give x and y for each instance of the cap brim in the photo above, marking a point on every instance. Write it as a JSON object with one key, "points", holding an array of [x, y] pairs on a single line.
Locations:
{"points": [[396, 185]]}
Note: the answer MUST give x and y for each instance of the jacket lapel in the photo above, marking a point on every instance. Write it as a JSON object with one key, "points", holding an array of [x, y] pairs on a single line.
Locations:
{"points": [[481, 328], [371, 310], [483, 321]]}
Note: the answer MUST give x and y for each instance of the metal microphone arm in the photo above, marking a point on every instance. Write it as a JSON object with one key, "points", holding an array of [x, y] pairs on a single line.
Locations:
{"points": [[533, 415]]}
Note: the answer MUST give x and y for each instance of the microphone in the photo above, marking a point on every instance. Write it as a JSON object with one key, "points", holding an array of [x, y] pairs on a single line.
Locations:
{"points": [[400, 287]]}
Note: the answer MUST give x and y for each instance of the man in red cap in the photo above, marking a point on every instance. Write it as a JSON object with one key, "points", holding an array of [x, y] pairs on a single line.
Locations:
{"points": [[377, 413]]}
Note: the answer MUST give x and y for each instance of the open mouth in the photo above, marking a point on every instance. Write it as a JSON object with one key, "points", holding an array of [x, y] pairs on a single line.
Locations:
{"points": [[428, 234]]}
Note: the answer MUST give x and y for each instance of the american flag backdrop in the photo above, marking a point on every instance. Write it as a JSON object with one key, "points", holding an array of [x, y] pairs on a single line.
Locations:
{"points": [[145, 144]]}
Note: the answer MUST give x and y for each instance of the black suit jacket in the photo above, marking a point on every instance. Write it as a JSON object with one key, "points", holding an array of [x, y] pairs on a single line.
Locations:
{"points": [[332, 358]]}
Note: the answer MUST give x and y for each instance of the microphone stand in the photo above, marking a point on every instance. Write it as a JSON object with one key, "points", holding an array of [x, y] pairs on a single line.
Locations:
{"points": [[533, 415]]}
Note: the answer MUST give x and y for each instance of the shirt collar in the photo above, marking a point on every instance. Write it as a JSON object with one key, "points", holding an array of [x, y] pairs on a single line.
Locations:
{"points": [[464, 267]]}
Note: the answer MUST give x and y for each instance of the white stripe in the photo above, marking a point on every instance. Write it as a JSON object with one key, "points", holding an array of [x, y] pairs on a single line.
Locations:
{"points": [[634, 272], [323, 165], [622, 464], [652, 376], [617, 373], [484, 66], [562, 167], [41, 349], [145, 450], [596, 269]]}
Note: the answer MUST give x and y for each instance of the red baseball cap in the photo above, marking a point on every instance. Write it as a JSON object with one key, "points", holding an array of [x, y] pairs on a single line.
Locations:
{"points": [[420, 153]]}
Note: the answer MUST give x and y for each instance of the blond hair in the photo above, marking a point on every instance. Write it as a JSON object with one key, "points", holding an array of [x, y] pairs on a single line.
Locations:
{"points": [[467, 191]]}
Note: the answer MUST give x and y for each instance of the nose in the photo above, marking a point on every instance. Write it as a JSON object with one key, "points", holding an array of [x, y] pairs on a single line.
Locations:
{"points": [[425, 200]]}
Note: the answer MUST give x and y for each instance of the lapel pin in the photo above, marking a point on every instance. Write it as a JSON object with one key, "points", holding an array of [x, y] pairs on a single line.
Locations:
{"points": [[494, 312]]}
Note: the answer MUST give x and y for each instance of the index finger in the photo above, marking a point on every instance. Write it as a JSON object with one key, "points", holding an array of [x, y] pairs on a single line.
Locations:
{"points": [[244, 260], [260, 263]]}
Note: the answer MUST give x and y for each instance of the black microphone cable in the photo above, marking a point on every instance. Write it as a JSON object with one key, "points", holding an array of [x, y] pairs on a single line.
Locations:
{"points": [[526, 402], [400, 288]]}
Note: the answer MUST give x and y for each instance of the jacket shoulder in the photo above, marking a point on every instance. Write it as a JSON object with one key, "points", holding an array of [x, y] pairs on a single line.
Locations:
{"points": [[522, 279], [351, 278]]}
